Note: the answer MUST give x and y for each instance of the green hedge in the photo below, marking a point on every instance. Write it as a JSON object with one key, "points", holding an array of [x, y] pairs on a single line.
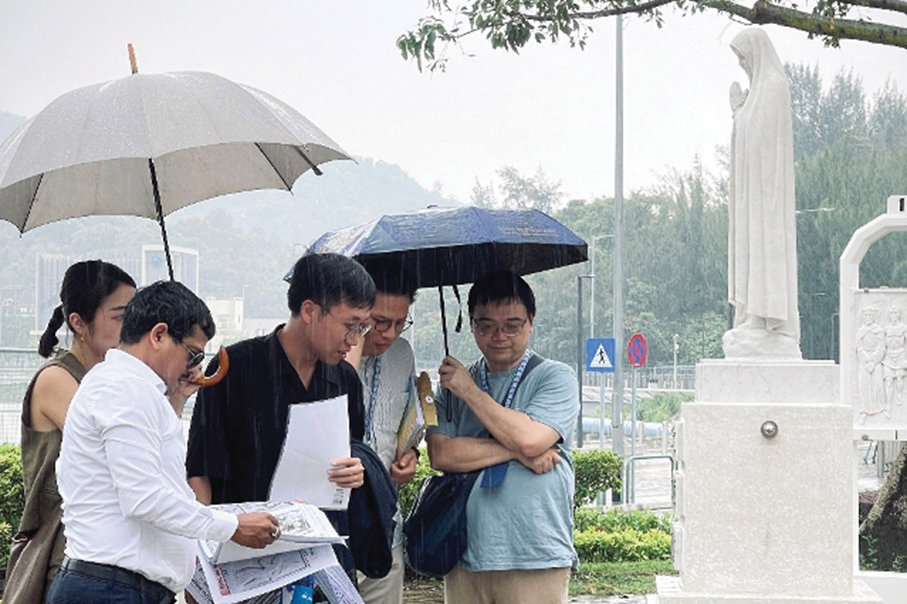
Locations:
{"points": [[621, 536], [628, 545], [614, 519], [12, 496]]}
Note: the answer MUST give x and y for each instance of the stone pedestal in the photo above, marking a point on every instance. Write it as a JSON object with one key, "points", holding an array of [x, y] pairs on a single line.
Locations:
{"points": [[764, 488]]}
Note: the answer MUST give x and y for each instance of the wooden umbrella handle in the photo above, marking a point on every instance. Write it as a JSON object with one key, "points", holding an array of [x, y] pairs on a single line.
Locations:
{"points": [[223, 366]]}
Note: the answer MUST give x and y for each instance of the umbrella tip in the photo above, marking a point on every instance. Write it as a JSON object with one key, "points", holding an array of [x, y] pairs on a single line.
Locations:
{"points": [[132, 63]]}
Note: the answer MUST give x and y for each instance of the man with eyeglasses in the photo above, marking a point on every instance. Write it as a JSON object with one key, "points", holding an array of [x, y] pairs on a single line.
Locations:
{"points": [[239, 425], [387, 371], [131, 521], [510, 414]]}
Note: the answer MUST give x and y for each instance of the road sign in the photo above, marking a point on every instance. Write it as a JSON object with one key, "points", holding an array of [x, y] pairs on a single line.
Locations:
{"points": [[637, 350], [600, 354]]}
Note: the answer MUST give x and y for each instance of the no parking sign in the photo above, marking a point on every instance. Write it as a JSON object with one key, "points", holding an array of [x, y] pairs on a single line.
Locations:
{"points": [[637, 350]]}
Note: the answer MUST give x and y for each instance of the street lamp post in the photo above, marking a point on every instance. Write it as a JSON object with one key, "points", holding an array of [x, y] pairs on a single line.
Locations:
{"points": [[617, 392], [592, 297], [676, 348], [580, 356]]}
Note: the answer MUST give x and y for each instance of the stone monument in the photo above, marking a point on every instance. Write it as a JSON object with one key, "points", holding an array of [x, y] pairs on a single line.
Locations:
{"points": [[764, 482]]}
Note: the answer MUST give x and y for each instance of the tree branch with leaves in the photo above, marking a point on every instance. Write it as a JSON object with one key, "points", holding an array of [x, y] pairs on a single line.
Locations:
{"points": [[511, 24]]}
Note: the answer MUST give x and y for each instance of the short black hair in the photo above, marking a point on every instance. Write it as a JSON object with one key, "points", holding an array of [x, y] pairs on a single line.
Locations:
{"points": [[329, 280], [501, 286], [391, 277], [167, 302]]}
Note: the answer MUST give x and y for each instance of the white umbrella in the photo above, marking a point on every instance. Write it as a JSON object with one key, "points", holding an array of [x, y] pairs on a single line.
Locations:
{"points": [[147, 145]]}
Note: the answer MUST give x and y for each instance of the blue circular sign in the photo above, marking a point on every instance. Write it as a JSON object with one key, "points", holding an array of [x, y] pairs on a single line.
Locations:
{"points": [[637, 350]]}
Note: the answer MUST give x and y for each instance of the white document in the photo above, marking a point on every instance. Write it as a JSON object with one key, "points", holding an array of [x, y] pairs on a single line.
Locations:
{"points": [[236, 581], [301, 525], [317, 434]]}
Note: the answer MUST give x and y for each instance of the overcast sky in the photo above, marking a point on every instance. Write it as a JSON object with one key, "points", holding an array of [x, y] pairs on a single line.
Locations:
{"points": [[335, 62]]}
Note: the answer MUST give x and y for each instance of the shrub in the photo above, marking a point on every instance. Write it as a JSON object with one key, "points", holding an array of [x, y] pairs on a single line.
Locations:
{"points": [[596, 471], [621, 536], [661, 406], [615, 519], [12, 496], [628, 545]]}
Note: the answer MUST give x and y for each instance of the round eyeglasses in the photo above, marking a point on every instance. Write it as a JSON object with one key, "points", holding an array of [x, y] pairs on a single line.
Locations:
{"points": [[353, 330], [382, 325]]}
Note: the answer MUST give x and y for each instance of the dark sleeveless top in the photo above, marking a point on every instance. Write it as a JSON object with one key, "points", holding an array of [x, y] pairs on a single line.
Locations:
{"points": [[40, 451]]}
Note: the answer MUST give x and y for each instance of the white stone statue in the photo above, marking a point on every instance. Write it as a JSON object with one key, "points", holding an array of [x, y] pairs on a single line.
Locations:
{"points": [[894, 363], [870, 349], [762, 237]]}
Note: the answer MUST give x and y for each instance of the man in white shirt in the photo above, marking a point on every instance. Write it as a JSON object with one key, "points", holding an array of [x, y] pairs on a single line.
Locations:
{"points": [[130, 518], [387, 371]]}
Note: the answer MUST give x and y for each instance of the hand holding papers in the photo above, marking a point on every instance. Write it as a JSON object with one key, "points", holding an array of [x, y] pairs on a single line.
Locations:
{"points": [[228, 572], [301, 525], [317, 435]]}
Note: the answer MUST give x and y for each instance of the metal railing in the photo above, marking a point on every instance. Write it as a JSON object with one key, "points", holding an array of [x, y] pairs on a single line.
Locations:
{"points": [[629, 475]]}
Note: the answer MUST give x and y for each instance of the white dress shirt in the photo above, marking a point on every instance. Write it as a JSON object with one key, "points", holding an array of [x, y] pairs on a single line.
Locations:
{"points": [[122, 476], [396, 389]]}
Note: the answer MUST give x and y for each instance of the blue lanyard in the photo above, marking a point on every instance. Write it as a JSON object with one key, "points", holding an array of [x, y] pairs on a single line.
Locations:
{"points": [[517, 375], [373, 399], [494, 475]]}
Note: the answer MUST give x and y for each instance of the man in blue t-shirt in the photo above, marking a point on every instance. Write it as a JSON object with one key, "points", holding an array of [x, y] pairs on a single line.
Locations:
{"points": [[514, 417]]}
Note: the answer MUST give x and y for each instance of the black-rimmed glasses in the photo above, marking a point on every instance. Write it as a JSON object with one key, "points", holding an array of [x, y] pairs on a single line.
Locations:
{"points": [[486, 328], [382, 325]]}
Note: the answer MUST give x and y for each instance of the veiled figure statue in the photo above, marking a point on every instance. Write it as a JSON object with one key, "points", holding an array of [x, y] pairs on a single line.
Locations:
{"points": [[762, 233]]}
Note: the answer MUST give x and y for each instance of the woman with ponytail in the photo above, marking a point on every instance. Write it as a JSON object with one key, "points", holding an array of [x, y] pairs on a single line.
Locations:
{"points": [[93, 297]]}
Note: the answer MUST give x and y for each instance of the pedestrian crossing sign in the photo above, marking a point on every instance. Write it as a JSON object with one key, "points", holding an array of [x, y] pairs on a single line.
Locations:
{"points": [[600, 354]]}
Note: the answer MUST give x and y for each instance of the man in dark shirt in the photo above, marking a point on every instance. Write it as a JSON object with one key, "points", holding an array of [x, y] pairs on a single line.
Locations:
{"points": [[239, 425]]}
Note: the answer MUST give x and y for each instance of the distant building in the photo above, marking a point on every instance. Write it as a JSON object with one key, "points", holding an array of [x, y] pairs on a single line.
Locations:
{"points": [[154, 265], [49, 271], [260, 327], [228, 315]]}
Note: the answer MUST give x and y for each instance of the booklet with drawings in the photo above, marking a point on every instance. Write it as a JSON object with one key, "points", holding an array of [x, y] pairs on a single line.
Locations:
{"points": [[301, 525], [228, 573]]}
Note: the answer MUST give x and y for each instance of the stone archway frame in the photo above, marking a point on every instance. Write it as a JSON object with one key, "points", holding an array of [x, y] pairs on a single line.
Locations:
{"points": [[893, 221]]}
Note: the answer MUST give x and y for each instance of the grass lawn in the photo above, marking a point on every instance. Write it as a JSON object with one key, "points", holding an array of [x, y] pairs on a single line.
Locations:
{"points": [[593, 578], [618, 578]]}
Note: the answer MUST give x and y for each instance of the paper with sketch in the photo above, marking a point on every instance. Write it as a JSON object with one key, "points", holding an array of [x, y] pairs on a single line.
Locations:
{"points": [[336, 586], [243, 579], [317, 434], [301, 525]]}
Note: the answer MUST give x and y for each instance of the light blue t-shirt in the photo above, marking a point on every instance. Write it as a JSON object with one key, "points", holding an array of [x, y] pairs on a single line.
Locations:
{"points": [[526, 522]]}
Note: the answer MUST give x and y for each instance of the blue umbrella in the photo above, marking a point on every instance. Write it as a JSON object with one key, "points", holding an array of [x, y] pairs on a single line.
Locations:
{"points": [[451, 246]]}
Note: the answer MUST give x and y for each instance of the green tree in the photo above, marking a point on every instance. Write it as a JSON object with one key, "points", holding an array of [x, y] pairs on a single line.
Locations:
{"points": [[511, 24]]}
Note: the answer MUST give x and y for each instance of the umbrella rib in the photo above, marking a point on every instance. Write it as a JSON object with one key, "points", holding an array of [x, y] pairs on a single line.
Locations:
{"points": [[32, 203], [309, 161], [287, 185]]}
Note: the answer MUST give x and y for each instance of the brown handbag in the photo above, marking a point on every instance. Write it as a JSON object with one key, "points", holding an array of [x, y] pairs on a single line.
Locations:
{"points": [[29, 557]]}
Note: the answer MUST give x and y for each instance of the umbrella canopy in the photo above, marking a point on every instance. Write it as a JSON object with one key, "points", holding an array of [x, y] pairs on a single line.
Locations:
{"points": [[147, 145], [451, 246]]}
